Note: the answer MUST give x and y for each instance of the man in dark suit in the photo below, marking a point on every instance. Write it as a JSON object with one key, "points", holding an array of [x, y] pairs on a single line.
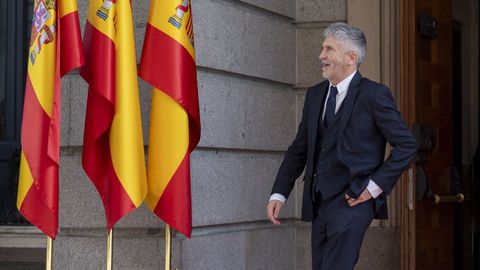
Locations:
{"points": [[347, 121]]}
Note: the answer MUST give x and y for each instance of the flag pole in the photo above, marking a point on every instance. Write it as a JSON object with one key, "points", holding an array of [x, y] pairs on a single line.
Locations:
{"points": [[109, 249], [48, 263], [168, 246]]}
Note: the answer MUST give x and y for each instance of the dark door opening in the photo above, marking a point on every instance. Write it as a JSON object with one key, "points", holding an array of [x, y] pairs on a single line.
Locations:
{"points": [[462, 212], [15, 23]]}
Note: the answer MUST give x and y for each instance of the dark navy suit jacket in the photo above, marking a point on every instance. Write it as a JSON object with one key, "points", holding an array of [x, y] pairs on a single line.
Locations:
{"points": [[369, 119]]}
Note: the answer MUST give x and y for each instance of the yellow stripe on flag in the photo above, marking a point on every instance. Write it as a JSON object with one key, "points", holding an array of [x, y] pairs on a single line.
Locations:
{"points": [[66, 6], [25, 181], [126, 140], [160, 14], [107, 27], [42, 73], [169, 138]]}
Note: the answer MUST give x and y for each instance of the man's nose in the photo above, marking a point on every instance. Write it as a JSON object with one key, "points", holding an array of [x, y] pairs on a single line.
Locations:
{"points": [[322, 55]]}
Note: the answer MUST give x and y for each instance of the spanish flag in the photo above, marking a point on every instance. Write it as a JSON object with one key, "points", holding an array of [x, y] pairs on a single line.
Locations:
{"points": [[55, 49], [113, 155], [168, 63]]}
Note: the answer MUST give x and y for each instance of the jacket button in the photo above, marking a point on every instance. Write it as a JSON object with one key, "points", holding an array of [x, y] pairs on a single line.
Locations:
{"points": [[314, 175], [323, 149]]}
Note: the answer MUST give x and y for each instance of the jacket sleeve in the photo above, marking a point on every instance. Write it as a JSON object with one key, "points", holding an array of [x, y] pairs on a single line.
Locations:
{"points": [[391, 125], [295, 157]]}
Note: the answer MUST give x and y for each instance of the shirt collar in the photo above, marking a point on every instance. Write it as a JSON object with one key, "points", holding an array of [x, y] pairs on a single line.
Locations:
{"points": [[343, 85]]}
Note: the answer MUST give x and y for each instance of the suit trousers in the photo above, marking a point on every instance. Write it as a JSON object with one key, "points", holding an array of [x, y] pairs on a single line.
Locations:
{"points": [[337, 232]]}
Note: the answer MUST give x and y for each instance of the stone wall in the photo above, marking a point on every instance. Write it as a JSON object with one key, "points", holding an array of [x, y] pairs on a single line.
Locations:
{"points": [[255, 60]]}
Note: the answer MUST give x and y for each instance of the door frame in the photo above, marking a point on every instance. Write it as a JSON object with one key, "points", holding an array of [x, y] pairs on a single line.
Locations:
{"points": [[407, 107]]}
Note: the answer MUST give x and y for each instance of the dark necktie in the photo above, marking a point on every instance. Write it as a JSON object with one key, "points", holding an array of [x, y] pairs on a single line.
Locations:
{"points": [[331, 103]]}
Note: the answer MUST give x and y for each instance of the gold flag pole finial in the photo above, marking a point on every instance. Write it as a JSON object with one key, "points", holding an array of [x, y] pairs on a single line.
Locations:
{"points": [[48, 263], [109, 249]]}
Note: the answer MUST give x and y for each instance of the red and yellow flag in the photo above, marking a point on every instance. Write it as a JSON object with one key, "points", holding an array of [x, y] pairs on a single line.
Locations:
{"points": [[55, 49], [168, 63], [113, 155]]}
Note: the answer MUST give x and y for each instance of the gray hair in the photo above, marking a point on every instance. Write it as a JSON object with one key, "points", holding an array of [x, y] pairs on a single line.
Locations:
{"points": [[350, 38]]}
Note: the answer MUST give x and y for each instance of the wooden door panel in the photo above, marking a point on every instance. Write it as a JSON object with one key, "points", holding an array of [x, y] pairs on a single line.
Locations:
{"points": [[433, 108]]}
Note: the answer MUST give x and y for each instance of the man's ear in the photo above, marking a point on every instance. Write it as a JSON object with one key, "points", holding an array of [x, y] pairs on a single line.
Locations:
{"points": [[352, 58]]}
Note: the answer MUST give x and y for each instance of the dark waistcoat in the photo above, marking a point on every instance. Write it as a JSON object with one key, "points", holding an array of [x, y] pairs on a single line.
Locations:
{"points": [[331, 176]]}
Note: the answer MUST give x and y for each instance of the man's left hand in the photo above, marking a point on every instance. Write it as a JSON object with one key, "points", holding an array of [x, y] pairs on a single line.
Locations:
{"points": [[365, 196]]}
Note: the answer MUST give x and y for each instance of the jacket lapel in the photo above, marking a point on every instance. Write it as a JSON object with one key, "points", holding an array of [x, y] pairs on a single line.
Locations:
{"points": [[349, 101], [316, 107]]}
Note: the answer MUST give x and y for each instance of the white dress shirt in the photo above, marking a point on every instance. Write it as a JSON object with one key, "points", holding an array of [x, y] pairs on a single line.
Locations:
{"points": [[342, 88]]}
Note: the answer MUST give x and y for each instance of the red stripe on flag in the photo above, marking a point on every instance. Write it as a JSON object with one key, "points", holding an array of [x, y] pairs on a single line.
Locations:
{"points": [[35, 143], [175, 206], [168, 66], [99, 72], [38, 213], [70, 43]]}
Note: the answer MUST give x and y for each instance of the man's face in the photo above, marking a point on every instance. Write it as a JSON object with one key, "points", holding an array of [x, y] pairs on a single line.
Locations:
{"points": [[336, 63]]}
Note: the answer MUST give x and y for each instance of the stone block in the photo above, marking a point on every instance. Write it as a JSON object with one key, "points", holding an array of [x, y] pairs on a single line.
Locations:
{"points": [[240, 113], [229, 187], [303, 234], [271, 249], [80, 203], [285, 7], [252, 249], [244, 40], [144, 252], [138, 253], [321, 11], [220, 251], [86, 253], [309, 47], [380, 249]]}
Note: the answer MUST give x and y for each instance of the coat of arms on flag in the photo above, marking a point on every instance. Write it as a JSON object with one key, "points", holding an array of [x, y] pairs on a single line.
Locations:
{"points": [[42, 28]]}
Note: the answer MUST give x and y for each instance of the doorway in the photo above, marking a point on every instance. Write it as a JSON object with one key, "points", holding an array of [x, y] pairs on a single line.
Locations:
{"points": [[439, 99]]}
